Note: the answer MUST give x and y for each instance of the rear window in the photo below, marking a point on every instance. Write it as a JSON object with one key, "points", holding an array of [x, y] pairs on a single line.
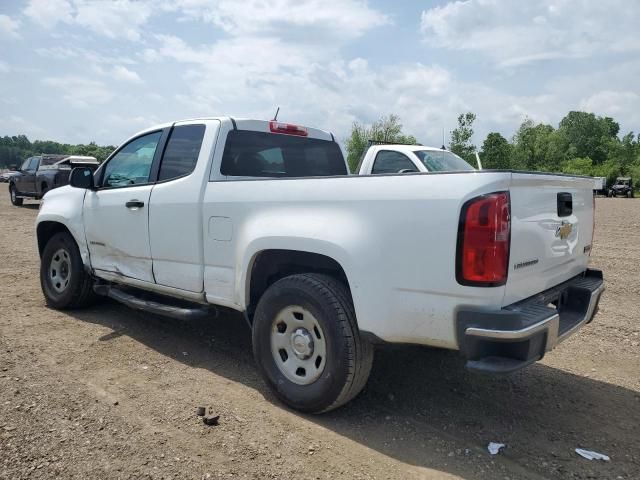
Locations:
{"points": [[259, 154], [47, 161]]}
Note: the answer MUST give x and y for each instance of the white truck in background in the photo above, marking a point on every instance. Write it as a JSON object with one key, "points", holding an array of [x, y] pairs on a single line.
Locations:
{"points": [[381, 158], [263, 218]]}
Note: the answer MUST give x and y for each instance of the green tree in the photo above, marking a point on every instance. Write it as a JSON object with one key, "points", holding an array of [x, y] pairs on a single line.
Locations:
{"points": [[460, 142], [532, 146], [496, 152], [578, 166], [588, 135], [15, 149], [387, 129]]}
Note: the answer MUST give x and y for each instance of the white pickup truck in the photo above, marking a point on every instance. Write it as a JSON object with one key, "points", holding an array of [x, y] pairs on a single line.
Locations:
{"points": [[380, 158], [263, 218]]}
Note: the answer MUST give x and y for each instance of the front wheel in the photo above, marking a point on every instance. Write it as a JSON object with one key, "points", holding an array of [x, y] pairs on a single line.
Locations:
{"points": [[65, 284], [13, 193], [307, 344]]}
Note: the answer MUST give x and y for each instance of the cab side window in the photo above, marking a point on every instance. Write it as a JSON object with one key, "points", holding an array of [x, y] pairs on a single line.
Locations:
{"points": [[25, 165], [392, 162], [132, 164], [33, 165], [182, 151]]}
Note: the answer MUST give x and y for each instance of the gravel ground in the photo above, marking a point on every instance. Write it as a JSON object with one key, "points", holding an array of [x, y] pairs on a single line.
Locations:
{"points": [[111, 393]]}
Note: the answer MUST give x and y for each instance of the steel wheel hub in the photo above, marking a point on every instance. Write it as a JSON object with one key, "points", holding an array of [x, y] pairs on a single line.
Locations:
{"points": [[298, 345], [60, 270], [302, 343]]}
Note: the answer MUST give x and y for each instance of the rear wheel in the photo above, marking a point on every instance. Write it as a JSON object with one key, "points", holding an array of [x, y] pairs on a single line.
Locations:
{"points": [[307, 344], [13, 193], [64, 282]]}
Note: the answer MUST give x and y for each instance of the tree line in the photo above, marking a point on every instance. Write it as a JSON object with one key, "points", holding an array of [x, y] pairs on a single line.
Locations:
{"points": [[582, 143], [14, 150]]}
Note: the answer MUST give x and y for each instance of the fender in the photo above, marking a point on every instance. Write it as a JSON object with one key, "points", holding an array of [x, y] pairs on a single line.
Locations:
{"points": [[300, 244], [64, 206]]}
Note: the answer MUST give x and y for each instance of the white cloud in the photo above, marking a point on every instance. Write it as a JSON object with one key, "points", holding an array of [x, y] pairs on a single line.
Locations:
{"points": [[518, 33], [16, 124], [124, 74], [312, 88], [293, 54], [9, 27], [4, 67], [149, 55], [49, 13], [112, 18], [611, 103], [115, 18], [304, 19], [80, 92]]}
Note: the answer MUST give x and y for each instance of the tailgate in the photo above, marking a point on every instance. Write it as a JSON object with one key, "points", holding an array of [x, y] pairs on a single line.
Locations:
{"points": [[551, 231]]}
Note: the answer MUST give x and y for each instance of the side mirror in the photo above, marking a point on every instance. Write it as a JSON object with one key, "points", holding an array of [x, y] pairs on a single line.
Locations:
{"points": [[81, 177]]}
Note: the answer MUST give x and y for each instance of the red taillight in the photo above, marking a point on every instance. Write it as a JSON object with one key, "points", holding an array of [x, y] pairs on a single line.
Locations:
{"points": [[484, 235], [287, 128]]}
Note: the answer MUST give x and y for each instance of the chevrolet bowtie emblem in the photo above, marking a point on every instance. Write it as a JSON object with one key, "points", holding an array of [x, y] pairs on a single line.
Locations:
{"points": [[564, 230]]}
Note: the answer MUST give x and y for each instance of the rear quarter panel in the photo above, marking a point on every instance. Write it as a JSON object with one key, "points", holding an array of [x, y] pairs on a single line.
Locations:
{"points": [[394, 236]]}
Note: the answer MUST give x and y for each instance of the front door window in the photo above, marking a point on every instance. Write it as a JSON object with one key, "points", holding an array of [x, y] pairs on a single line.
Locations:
{"points": [[132, 164]]}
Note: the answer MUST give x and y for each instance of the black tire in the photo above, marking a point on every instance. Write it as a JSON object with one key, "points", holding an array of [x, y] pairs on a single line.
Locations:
{"points": [[12, 194], [629, 194], [348, 356], [78, 291]]}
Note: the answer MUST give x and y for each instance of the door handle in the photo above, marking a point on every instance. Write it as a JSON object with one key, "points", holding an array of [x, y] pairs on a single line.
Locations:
{"points": [[134, 204]]}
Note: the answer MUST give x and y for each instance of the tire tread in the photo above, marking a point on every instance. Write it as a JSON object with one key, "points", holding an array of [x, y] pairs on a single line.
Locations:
{"points": [[360, 356], [83, 294]]}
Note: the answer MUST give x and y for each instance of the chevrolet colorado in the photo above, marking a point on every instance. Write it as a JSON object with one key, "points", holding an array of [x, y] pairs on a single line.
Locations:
{"points": [[263, 218]]}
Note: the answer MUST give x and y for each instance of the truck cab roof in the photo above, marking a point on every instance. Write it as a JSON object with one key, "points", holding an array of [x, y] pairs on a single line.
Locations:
{"points": [[250, 124]]}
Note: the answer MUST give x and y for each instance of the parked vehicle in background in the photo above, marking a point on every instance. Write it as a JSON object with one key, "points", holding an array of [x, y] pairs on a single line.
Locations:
{"points": [[37, 175], [622, 188], [600, 187], [400, 158], [6, 176], [263, 218]]}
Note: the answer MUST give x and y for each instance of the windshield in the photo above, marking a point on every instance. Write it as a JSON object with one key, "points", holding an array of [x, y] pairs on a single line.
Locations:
{"points": [[442, 161]]}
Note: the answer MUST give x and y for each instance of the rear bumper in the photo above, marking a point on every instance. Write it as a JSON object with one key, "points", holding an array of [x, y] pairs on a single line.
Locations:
{"points": [[506, 340]]}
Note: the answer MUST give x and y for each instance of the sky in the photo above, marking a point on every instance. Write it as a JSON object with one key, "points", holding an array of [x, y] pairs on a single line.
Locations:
{"points": [[100, 70]]}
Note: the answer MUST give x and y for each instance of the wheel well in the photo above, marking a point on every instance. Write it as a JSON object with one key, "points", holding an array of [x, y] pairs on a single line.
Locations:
{"points": [[46, 230], [270, 266]]}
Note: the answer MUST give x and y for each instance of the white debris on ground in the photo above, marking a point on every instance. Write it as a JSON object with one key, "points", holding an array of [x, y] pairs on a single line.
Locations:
{"points": [[591, 455], [494, 448]]}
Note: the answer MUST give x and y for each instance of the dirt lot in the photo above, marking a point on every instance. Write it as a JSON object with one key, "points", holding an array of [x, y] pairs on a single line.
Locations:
{"points": [[110, 393]]}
